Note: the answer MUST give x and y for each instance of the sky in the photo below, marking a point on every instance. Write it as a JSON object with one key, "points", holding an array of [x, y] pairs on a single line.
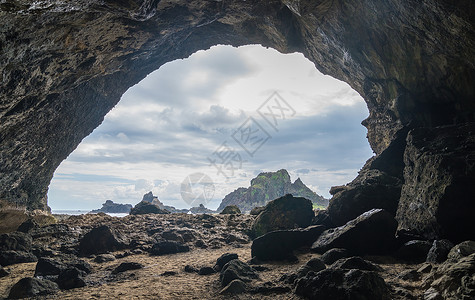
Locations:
{"points": [[222, 116]]}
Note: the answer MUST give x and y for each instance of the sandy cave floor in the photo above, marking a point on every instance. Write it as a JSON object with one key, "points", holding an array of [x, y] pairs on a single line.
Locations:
{"points": [[148, 283]]}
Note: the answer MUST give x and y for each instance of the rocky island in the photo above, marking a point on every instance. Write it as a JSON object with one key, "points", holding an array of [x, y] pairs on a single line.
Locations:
{"points": [[268, 186], [404, 228], [116, 208]]}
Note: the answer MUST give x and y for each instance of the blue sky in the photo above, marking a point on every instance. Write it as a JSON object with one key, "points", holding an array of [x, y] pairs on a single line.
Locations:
{"points": [[169, 125]]}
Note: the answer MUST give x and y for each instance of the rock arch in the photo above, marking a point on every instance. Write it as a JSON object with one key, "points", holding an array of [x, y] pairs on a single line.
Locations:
{"points": [[65, 65]]}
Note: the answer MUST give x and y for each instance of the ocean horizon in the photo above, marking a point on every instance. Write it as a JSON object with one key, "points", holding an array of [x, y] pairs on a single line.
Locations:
{"points": [[77, 212]]}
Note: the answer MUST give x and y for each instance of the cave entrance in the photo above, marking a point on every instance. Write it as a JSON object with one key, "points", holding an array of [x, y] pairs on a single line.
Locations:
{"points": [[172, 123]]}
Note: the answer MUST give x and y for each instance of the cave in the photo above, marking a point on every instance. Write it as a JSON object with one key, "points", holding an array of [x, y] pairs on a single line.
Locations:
{"points": [[65, 65]]}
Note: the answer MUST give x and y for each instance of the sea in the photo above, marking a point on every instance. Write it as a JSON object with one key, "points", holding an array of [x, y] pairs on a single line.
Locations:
{"points": [[78, 212]]}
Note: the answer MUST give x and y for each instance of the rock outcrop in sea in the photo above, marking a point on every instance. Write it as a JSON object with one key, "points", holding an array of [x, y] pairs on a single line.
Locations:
{"points": [[268, 186], [115, 208]]}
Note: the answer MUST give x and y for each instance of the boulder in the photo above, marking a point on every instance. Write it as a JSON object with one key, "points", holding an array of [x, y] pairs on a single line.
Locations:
{"points": [[370, 189], [333, 255], [355, 262], [49, 266], [236, 269], [437, 195], [55, 265], [17, 241], [11, 257], [206, 271], [287, 212], [414, 251], [127, 266], [3, 272], [145, 207], [279, 245], [313, 265], [340, 284], [168, 247], [234, 287], [231, 210], [101, 240], [32, 287], [373, 232], [71, 278], [102, 258], [461, 250], [453, 279], [172, 235], [224, 259], [439, 251], [27, 226]]}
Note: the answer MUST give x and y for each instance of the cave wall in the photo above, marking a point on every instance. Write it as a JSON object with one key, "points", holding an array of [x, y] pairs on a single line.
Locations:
{"points": [[64, 65]]}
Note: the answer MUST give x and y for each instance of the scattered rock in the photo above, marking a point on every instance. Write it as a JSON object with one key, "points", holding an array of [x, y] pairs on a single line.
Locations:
{"points": [[55, 265], [287, 212], [410, 275], [370, 233], [432, 294], [224, 259], [48, 266], [355, 262], [231, 210], [201, 244], [71, 278], [3, 272], [171, 235], [102, 258], [453, 279], [206, 271], [190, 269], [313, 265], [333, 255], [168, 247], [169, 273], [414, 251], [144, 207], [425, 268], [11, 257], [27, 226], [100, 240], [234, 287], [462, 250], [439, 251], [236, 269], [16, 241], [127, 266], [128, 253], [339, 284], [32, 287], [279, 245]]}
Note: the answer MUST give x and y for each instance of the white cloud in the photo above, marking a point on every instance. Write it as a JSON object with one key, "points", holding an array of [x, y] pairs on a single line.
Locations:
{"points": [[167, 126]]}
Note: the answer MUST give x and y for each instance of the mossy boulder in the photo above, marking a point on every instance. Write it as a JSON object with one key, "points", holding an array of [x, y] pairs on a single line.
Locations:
{"points": [[286, 212], [231, 210]]}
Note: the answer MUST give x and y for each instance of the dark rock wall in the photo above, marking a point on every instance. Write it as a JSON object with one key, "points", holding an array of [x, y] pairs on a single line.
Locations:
{"points": [[64, 65]]}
